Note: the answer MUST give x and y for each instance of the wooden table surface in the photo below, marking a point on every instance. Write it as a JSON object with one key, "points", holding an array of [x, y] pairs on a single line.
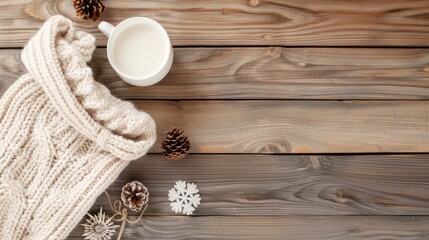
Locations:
{"points": [[309, 119]]}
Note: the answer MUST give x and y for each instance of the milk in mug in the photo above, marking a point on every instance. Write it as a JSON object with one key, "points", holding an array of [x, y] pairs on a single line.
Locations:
{"points": [[139, 50]]}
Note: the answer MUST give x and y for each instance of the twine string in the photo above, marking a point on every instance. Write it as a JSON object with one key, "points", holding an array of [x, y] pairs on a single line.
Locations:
{"points": [[122, 213]]}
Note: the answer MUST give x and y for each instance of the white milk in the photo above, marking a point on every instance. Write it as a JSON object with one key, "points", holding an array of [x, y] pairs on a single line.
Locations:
{"points": [[140, 50]]}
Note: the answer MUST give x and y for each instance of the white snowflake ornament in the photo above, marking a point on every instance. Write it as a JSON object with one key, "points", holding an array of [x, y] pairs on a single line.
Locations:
{"points": [[184, 198]]}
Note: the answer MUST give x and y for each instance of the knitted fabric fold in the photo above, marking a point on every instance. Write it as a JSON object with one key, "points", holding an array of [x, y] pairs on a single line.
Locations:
{"points": [[63, 137]]}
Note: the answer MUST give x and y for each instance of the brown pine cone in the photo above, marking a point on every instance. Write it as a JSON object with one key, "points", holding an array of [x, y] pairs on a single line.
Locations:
{"points": [[176, 146], [89, 9], [135, 195]]}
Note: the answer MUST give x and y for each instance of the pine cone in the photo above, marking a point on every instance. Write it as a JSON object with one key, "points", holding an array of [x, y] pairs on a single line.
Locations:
{"points": [[176, 146], [89, 9], [135, 195]]}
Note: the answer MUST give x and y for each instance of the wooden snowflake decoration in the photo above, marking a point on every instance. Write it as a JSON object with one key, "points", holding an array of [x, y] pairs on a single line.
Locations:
{"points": [[184, 198]]}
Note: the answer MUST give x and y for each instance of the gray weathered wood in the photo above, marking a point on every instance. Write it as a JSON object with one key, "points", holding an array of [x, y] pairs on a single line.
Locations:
{"points": [[273, 196], [269, 73], [243, 22], [287, 185], [295, 126], [278, 228]]}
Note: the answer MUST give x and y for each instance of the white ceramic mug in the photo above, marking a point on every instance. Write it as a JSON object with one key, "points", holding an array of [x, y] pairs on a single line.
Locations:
{"points": [[139, 65]]}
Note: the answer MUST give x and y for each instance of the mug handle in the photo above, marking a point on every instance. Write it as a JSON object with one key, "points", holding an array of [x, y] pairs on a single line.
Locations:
{"points": [[106, 28]]}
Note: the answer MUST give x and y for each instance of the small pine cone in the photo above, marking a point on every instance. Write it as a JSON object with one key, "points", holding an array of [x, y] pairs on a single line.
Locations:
{"points": [[176, 146], [135, 195], [89, 9]]}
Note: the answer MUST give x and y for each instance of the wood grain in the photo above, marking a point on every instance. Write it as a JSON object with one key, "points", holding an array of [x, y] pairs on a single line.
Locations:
{"points": [[243, 22], [295, 126], [235, 114], [297, 228], [287, 185], [269, 73]]}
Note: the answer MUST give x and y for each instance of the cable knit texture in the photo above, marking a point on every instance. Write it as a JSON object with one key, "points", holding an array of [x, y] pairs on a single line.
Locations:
{"points": [[63, 137]]}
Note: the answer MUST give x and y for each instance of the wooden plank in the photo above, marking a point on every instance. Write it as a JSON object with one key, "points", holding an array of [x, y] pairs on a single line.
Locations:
{"points": [[286, 185], [269, 73], [298, 228], [295, 126], [243, 22]]}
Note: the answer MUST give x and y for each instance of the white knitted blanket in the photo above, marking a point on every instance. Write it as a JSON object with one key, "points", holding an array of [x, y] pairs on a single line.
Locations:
{"points": [[63, 137]]}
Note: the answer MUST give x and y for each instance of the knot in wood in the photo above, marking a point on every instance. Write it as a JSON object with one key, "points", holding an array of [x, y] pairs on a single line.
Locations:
{"points": [[301, 64], [254, 3], [275, 51], [340, 194]]}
